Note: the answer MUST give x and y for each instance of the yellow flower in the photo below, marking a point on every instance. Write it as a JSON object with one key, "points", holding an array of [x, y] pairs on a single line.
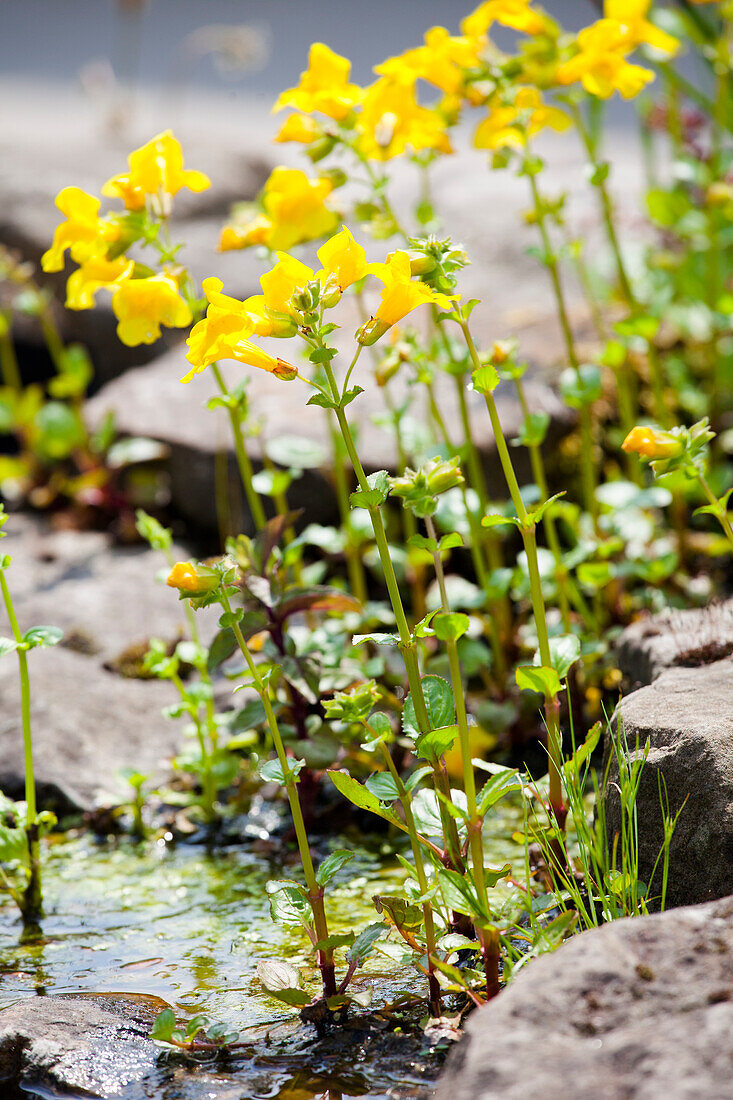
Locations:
{"points": [[251, 233], [222, 335], [142, 305], [324, 86], [300, 128], [442, 61], [156, 171], [343, 259], [510, 125], [294, 211], [280, 283], [631, 15], [600, 64], [653, 443], [91, 276], [392, 121], [185, 577], [400, 295], [516, 14], [84, 233]]}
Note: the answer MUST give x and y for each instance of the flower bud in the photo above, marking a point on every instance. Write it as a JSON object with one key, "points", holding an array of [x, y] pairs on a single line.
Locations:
{"points": [[193, 580], [653, 443], [371, 331]]}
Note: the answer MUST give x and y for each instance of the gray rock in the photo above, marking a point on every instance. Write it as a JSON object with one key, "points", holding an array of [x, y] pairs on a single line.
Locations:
{"points": [[94, 1044], [105, 598], [89, 718], [637, 1010], [674, 638], [687, 716], [88, 724], [151, 401]]}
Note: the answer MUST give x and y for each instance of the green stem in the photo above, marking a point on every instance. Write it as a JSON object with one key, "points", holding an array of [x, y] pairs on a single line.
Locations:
{"points": [[354, 563], [315, 891], [407, 644], [529, 538], [8, 360], [243, 462], [586, 459], [32, 897], [720, 512], [422, 879]]}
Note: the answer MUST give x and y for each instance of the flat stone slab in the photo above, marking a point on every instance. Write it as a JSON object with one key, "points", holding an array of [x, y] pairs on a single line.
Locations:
{"points": [[151, 401], [686, 714], [94, 1044], [689, 638], [89, 719], [88, 724], [637, 1010], [105, 598]]}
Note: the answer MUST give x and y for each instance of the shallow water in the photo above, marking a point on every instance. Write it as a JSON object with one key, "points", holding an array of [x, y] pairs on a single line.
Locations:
{"points": [[189, 927]]}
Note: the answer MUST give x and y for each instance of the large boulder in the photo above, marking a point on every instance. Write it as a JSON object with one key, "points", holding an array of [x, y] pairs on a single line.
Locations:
{"points": [[674, 638], [686, 715], [637, 1010]]}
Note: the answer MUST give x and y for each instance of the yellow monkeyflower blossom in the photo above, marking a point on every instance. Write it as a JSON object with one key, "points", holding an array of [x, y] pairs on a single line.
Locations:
{"points": [[600, 64], [652, 443], [392, 121], [324, 86], [156, 171], [141, 306], [224, 335], [280, 283], [91, 276], [84, 233], [442, 61], [294, 211], [400, 295], [511, 124], [301, 128], [516, 14], [631, 15], [343, 259]]}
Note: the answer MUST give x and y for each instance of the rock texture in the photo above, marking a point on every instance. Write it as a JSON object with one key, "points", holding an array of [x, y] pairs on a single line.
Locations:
{"points": [[686, 714], [90, 1044], [638, 1010], [684, 639], [89, 720]]}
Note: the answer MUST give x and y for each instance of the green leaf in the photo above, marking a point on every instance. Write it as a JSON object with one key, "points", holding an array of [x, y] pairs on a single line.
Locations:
{"points": [[332, 865], [164, 1025], [383, 786], [439, 704], [500, 784], [7, 645], [322, 401], [458, 894], [581, 387], [338, 939], [543, 680], [362, 946], [450, 541], [155, 534], [361, 797], [449, 626], [221, 649], [432, 745], [485, 379], [399, 912], [564, 652], [534, 429], [271, 771], [379, 729], [282, 980], [289, 904], [584, 751], [42, 636], [376, 638], [534, 515], [494, 519], [231, 618], [376, 494]]}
